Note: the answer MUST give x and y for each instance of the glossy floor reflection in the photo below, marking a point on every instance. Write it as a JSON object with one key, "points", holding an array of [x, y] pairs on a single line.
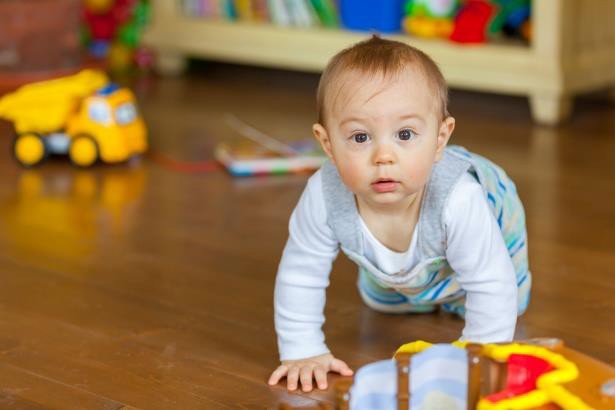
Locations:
{"points": [[136, 286]]}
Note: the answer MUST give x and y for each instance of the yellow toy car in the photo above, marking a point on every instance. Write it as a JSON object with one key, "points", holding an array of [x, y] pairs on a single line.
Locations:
{"points": [[83, 115]]}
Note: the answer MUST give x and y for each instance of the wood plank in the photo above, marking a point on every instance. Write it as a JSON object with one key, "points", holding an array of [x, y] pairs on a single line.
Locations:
{"points": [[23, 389]]}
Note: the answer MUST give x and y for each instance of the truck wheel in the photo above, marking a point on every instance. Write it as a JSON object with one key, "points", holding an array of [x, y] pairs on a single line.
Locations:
{"points": [[29, 149], [83, 150]]}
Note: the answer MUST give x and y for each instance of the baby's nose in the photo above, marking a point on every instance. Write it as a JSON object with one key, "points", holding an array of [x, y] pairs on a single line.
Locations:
{"points": [[383, 154]]}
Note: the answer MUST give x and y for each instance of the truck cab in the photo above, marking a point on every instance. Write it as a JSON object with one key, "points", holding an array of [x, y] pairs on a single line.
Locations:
{"points": [[107, 126]]}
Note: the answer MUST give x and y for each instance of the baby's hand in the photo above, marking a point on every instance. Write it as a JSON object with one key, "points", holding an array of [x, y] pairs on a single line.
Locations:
{"points": [[305, 370]]}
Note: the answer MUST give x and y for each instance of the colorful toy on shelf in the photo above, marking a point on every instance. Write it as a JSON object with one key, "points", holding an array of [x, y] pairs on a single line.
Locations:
{"points": [[113, 30], [364, 15], [480, 20], [98, 6], [430, 18], [515, 18], [535, 374], [83, 115], [472, 21], [468, 21]]}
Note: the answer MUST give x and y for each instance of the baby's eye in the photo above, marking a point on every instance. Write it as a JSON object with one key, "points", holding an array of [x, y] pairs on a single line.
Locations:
{"points": [[405, 134], [360, 137]]}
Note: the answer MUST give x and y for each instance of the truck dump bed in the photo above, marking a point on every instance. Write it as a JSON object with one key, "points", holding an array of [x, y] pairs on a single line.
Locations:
{"points": [[45, 106]]}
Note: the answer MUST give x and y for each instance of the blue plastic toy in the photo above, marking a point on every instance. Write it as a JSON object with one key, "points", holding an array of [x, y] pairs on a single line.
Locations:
{"points": [[384, 16]]}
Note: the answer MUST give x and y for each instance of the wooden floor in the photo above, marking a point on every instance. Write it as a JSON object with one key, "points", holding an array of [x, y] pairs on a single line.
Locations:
{"points": [[136, 286]]}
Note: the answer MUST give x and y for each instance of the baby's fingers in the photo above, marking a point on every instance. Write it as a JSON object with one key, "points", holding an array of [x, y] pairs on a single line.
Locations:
{"points": [[305, 375], [292, 377], [341, 367], [320, 374], [277, 374]]}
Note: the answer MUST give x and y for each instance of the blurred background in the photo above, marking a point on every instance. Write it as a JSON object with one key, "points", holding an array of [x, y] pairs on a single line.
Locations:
{"points": [[144, 204]]}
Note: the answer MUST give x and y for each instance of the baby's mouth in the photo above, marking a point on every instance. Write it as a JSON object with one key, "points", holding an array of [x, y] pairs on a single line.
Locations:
{"points": [[382, 185]]}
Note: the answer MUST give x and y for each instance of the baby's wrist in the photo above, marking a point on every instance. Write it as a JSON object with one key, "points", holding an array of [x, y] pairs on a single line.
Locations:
{"points": [[297, 353]]}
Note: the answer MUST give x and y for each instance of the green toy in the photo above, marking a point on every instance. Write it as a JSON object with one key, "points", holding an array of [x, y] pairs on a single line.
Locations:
{"points": [[430, 18]]}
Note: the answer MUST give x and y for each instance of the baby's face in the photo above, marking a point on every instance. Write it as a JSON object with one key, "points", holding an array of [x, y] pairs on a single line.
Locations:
{"points": [[384, 135]]}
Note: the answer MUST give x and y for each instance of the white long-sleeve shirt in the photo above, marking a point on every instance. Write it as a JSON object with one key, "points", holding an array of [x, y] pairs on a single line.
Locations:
{"points": [[475, 251]]}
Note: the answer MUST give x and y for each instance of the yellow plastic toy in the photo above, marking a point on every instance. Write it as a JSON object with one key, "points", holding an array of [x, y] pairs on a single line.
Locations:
{"points": [[83, 115], [548, 384], [536, 374]]}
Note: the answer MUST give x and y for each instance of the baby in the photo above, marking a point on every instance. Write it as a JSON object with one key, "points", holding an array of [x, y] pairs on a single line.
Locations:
{"points": [[427, 225]]}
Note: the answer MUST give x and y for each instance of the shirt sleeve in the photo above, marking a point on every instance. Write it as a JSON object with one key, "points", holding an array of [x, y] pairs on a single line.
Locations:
{"points": [[477, 253], [303, 276]]}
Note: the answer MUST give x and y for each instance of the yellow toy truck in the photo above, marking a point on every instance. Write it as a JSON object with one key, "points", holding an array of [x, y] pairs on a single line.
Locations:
{"points": [[83, 115]]}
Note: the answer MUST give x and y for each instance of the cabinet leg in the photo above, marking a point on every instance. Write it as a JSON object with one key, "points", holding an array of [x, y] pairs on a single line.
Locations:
{"points": [[550, 109], [170, 63]]}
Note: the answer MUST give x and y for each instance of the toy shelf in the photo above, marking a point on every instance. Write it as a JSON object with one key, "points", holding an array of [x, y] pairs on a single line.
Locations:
{"points": [[572, 51]]}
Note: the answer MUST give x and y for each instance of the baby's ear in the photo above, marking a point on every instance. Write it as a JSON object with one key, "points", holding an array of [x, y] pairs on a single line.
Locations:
{"points": [[444, 134], [321, 134]]}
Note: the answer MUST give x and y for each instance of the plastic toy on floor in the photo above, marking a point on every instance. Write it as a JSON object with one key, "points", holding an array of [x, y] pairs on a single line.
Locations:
{"points": [[83, 115], [261, 154], [536, 374]]}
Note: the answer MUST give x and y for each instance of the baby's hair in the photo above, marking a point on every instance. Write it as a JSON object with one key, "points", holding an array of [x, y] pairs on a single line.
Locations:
{"points": [[378, 56]]}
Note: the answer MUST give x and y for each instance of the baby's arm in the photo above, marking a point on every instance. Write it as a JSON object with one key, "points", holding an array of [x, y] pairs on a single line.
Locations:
{"points": [[299, 300], [477, 253]]}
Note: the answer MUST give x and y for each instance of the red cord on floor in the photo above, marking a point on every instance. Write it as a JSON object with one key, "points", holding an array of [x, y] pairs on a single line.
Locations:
{"points": [[184, 166]]}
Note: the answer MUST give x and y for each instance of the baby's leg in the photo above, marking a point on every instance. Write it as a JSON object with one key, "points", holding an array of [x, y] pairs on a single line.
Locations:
{"points": [[457, 307], [524, 286], [385, 299]]}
